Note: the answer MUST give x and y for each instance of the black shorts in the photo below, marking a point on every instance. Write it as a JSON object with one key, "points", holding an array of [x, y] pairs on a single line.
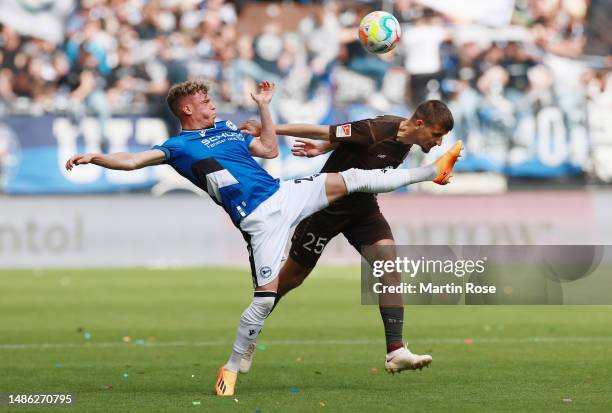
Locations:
{"points": [[313, 233]]}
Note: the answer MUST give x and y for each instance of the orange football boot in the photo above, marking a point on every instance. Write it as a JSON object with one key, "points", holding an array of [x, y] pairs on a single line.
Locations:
{"points": [[226, 380], [446, 163]]}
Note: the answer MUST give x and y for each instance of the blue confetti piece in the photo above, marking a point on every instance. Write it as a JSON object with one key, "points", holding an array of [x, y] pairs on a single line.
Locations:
{"points": [[140, 341], [257, 411], [87, 335], [58, 366], [294, 390], [125, 375]]}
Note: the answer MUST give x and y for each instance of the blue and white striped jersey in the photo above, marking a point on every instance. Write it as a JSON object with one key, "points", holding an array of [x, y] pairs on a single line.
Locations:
{"points": [[217, 160]]}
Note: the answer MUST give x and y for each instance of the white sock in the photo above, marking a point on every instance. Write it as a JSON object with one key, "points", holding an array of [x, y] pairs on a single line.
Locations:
{"points": [[386, 180], [233, 364], [251, 322]]}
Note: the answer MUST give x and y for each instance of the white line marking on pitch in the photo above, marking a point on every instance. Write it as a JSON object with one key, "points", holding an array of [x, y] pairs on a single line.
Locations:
{"points": [[214, 343]]}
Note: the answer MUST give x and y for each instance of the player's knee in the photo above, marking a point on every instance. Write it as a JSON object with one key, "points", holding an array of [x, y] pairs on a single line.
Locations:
{"points": [[264, 305], [259, 309], [292, 276], [298, 275]]}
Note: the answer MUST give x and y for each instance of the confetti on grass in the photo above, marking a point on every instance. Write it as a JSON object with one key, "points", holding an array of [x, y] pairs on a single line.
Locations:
{"points": [[196, 402], [125, 375], [126, 339], [140, 341], [294, 390], [109, 387], [58, 365], [567, 401], [374, 369], [87, 335], [468, 341], [262, 347]]}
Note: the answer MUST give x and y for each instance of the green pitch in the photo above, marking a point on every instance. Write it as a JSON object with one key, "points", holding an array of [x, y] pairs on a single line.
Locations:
{"points": [[64, 331]]}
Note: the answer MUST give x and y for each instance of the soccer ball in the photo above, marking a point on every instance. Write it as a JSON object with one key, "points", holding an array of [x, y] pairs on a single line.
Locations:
{"points": [[379, 32]]}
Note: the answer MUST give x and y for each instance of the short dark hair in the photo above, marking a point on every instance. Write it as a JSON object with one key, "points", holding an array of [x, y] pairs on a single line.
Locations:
{"points": [[180, 90], [435, 112]]}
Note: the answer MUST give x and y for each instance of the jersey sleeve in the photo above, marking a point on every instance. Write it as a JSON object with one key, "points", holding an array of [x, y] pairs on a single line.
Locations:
{"points": [[170, 148], [247, 138], [366, 131], [358, 133]]}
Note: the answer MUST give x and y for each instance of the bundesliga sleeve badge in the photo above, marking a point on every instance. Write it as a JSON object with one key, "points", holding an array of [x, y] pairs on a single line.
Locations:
{"points": [[343, 131]]}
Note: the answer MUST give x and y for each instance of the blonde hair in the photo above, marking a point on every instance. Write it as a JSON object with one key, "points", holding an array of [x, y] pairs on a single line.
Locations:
{"points": [[180, 90]]}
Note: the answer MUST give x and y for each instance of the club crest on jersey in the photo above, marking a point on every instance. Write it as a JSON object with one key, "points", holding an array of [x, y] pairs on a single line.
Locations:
{"points": [[230, 125], [343, 131]]}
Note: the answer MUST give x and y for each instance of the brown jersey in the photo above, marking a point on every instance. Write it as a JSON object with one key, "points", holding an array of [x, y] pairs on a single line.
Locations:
{"points": [[364, 144]]}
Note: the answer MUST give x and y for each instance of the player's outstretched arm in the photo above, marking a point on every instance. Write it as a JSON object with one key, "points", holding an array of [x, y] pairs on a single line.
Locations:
{"points": [[123, 161], [304, 130], [299, 130], [266, 146]]}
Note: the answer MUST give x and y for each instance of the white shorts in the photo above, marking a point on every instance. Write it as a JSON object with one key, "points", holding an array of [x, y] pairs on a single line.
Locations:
{"points": [[266, 229]]}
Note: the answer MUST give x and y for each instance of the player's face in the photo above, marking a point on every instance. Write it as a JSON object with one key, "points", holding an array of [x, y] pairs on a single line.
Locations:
{"points": [[431, 136], [201, 109]]}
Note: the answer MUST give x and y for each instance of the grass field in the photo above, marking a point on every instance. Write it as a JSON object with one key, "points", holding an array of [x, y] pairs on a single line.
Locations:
{"points": [[323, 350]]}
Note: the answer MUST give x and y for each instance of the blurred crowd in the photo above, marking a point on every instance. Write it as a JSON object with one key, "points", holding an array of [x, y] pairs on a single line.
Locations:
{"points": [[121, 56]]}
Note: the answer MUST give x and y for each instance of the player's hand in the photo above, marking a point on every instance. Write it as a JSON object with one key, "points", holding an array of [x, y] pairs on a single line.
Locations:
{"points": [[251, 127], [308, 148], [82, 159], [265, 93]]}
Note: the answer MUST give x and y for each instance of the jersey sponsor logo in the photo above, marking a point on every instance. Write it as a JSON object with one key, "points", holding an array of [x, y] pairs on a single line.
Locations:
{"points": [[221, 138], [265, 272], [230, 125], [343, 131]]}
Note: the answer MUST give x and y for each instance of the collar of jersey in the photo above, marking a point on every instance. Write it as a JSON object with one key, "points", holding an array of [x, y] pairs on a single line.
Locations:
{"points": [[186, 131]]}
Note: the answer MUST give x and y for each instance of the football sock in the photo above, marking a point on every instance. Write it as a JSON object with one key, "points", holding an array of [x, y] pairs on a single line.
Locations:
{"points": [[393, 320], [386, 180], [276, 300], [251, 322]]}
